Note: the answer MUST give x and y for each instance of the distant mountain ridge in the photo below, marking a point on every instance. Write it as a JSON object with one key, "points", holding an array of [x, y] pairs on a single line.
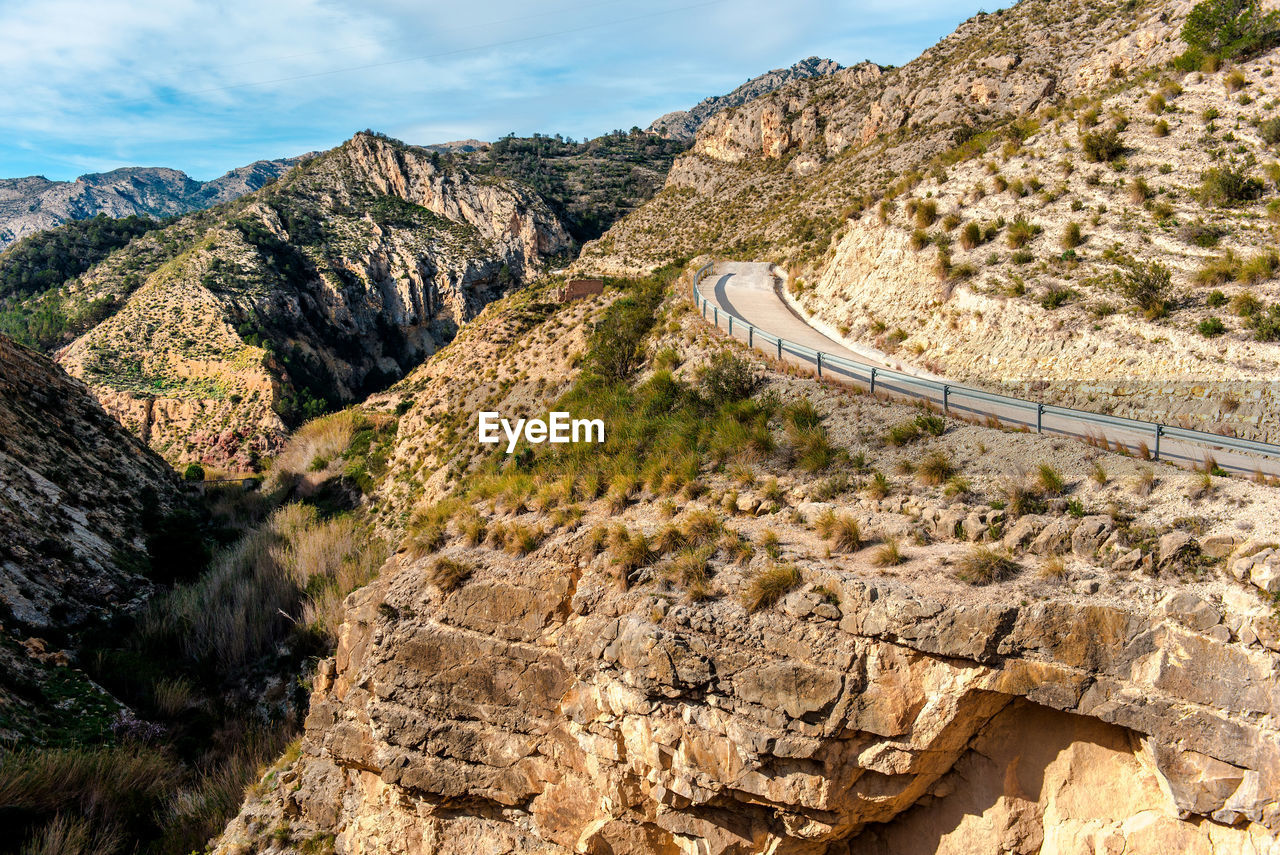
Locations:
{"points": [[32, 204], [684, 124]]}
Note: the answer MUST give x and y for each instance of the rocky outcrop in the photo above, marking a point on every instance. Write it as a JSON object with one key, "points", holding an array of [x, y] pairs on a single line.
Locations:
{"points": [[537, 709], [685, 124], [29, 205], [77, 497]]}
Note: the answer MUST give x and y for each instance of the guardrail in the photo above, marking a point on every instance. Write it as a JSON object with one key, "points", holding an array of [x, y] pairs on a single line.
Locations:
{"points": [[1157, 440]]}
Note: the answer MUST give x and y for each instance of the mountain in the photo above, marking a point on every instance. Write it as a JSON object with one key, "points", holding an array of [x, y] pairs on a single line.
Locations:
{"points": [[684, 124], [89, 515], [29, 205], [227, 328], [992, 212]]}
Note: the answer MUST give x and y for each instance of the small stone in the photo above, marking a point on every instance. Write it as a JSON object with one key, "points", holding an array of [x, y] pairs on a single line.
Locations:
{"points": [[1266, 575], [1219, 633], [827, 611]]}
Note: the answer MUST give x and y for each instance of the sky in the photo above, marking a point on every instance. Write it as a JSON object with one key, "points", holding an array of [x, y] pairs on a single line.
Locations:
{"points": [[209, 85]]}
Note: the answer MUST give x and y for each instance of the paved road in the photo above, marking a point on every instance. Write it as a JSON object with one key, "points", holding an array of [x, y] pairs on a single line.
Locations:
{"points": [[743, 298]]}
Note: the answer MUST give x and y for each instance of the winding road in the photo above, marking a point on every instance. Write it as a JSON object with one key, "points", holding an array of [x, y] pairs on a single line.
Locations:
{"points": [[745, 300]]}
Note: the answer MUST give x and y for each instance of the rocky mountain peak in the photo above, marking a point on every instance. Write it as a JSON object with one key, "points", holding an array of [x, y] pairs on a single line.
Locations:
{"points": [[684, 124]]}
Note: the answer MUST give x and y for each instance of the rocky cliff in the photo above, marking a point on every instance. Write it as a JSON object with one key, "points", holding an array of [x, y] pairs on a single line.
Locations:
{"points": [[329, 284], [588, 677], [29, 205], [684, 124], [80, 495]]}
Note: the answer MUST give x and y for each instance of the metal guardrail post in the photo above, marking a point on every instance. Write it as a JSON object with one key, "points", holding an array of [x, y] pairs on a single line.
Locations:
{"points": [[731, 325], [1159, 433], [946, 399], [1039, 418], [715, 312], [779, 349], [819, 364], [873, 380], [751, 336]]}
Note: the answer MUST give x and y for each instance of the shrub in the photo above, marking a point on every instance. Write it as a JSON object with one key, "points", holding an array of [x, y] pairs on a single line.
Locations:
{"points": [[1056, 296], [1235, 81], [770, 585], [1021, 232], [449, 575], [983, 565], [1071, 236], [1269, 130], [1211, 327], [902, 434], [1146, 285], [888, 554], [1227, 28], [194, 472], [919, 239], [971, 235], [728, 378], [1216, 299], [930, 424], [1139, 191], [1102, 146], [1228, 185], [878, 487], [1160, 128], [935, 468]]}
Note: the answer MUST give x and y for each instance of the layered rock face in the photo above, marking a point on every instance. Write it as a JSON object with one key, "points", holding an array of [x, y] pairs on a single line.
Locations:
{"points": [[28, 205], [325, 286], [537, 709], [75, 493]]}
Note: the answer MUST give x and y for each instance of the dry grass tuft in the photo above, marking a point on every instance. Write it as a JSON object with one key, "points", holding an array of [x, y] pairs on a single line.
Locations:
{"points": [[984, 565], [770, 585]]}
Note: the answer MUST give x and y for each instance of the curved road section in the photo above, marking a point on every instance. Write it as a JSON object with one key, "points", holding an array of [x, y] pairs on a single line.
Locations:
{"points": [[745, 300]]}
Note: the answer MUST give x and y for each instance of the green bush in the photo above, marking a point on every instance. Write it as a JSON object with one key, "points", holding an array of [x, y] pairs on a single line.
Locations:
{"points": [[728, 378], [194, 472], [1147, 286], [1229, 185], [1102, 146], [1228, 28], [1211, 327]]}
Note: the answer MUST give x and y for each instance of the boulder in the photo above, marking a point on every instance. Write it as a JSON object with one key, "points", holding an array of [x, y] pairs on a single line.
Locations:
{"points": [[1024, 530], [1055, 538], [1090, 534], [1192, 611], [1175, 548]]}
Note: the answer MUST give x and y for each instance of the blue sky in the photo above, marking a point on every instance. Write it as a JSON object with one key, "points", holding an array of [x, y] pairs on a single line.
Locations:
{"points": [[206, 86]]}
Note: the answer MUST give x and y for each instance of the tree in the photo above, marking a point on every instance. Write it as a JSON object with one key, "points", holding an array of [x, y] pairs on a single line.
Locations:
{"points": [[1230, 27]]}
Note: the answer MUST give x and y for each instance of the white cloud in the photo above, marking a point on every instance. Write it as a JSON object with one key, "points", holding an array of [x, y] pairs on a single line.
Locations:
{"points": [[204, 86]]}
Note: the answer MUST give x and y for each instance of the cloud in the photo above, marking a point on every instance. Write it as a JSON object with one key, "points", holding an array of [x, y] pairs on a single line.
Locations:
{"points": [[208, 86]]}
